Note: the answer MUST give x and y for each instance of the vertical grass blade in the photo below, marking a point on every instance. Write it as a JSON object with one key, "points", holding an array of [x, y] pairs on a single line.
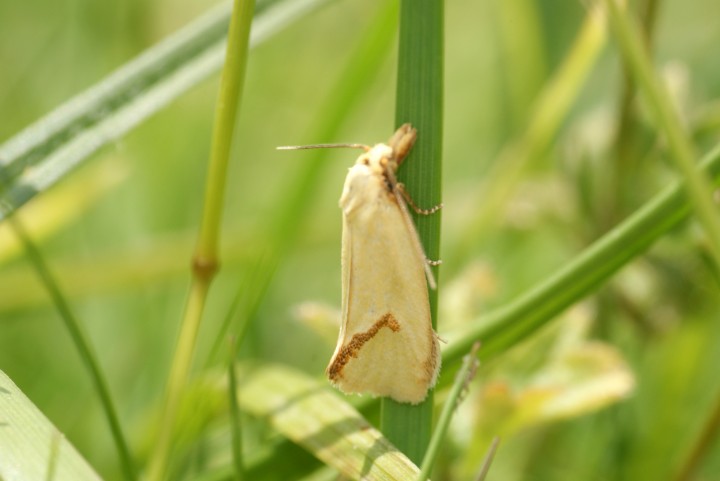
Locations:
{"points": [[362, 66], [420, 102]]}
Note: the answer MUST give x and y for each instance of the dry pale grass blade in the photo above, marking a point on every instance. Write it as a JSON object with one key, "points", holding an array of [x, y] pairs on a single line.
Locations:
{"points": [[30, 446], [306, 411]]}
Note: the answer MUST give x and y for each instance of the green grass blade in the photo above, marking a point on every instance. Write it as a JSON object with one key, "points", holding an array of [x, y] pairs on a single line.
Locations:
{"points": [[83, 346], [508, 325], [420, 102], [30, 446], [64, 138]]}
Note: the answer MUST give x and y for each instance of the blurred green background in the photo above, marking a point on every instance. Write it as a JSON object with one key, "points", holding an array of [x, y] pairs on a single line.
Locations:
{"points": [[122, 255]]}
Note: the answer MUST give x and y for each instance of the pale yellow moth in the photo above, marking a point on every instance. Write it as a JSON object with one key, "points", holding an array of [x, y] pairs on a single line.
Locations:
{"points": [[386, 346]]}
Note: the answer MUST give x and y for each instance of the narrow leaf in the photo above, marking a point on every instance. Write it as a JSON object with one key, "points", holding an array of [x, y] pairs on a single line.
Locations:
{"points": [[31, 448], [307, 412]]}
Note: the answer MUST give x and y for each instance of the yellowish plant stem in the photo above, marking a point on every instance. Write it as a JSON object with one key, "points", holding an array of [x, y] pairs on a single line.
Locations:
{"points": [[205, 259]]}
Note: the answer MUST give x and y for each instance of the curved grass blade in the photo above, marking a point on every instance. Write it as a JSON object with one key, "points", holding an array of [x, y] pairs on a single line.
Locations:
{"points": [[46, 151], [83, 346], [505, 327]]}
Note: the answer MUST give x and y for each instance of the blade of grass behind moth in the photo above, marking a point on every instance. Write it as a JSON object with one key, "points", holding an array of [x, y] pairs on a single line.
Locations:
{"points": [[83, 346], [54, 145], [362, 66], [462, 380], [420, 102], [552, 107], [589, 270]]}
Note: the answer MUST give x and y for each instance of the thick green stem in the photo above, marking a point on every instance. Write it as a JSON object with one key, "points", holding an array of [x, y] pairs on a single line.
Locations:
{"points": [[419, 102]]}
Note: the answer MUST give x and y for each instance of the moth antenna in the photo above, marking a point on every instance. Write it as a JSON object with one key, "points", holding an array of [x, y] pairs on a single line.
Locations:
{"points": [[411, 203], [324, 146]]}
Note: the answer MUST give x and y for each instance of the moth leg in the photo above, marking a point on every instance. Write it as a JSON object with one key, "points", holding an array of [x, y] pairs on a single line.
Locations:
{"points": [[413, 205], [402, 201], [432, 262]]}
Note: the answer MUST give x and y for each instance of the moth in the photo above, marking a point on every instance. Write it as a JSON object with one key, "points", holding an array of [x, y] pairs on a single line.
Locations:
{"points": [[386, 346]]}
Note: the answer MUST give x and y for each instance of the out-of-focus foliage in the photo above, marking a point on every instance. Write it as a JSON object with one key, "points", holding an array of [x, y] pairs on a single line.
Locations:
{"points": [[619, 388]]}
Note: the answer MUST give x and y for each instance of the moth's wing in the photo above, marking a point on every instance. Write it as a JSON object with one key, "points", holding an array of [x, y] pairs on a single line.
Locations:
{"points": [[386, 345]]}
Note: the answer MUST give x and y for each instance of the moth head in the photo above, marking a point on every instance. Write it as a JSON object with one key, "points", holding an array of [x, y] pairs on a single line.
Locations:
{"points": [[379, 159]]}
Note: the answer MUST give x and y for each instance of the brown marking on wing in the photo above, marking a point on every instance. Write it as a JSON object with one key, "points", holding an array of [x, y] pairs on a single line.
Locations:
{"points": [[352, 348]]}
